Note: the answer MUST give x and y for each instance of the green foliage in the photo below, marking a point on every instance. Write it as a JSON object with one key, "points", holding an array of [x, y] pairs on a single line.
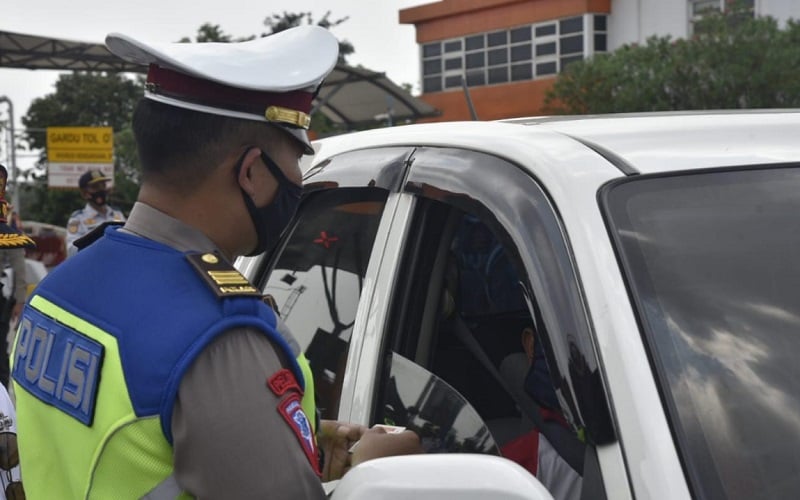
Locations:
{"points": [[280, 22], [733, 61], [210, 33], [81, 99]]}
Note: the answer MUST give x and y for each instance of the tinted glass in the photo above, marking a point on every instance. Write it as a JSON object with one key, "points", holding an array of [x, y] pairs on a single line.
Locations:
{"points": [[476, 78], [432, 67], [548, 68], [452, 81], [571, 25], [599, 23], [475, 60], [521, 72], [547, 29], [454, 63], [711, 262], [431, 49], [317, 280], [452, 46], [433, 84], [521, 34], [600, 42], [498, 38], [521, 53], [571, 44], [474, 42], [445, 421], [546, 49], [498, 75], [498, 56]]}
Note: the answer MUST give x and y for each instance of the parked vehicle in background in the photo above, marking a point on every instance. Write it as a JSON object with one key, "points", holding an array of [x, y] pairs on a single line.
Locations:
{"points": [[655, 256]]}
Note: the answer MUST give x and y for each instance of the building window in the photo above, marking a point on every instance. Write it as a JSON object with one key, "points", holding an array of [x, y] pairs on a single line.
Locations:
{"points": [[521, 34], [454, 46], [515, 54], [600, 33], [498, 75], [699, 8], [497, 38], [474, 42], [571, 44], [452, 64], [431, 49]]}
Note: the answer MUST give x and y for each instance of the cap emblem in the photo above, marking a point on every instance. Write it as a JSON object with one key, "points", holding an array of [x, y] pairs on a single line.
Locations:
{"points": [[290, 116]]}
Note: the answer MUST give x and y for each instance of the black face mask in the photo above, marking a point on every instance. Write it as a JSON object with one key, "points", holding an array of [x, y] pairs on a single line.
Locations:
{"points": [[99, 198], [270, 221]]}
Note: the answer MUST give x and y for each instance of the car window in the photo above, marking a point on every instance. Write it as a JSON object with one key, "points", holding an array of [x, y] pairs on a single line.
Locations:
{"points": [[445, 421], [317, 279], [475, 290], [711, 263]]}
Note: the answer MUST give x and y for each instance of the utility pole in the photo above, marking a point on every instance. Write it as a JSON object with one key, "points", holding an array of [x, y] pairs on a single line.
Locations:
{"points": [[12, 177]]}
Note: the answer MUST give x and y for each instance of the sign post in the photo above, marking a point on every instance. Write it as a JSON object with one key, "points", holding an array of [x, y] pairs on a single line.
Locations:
{"points": [[71, 151]]}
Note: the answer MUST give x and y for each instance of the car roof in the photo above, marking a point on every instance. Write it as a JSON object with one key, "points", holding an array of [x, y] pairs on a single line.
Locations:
{"points": [[634, 143]]}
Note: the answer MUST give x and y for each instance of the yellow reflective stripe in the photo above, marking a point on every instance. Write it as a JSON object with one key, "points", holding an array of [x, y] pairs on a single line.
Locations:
{"points": [[113, 409], [308, 403]]}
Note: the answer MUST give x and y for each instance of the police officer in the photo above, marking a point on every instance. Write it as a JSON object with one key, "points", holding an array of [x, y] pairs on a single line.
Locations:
{"points": [[94, 189], [14, 276], [146, 364]]}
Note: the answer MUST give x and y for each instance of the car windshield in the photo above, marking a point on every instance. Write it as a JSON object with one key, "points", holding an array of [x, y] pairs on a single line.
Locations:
{"points": [[711, 262]]}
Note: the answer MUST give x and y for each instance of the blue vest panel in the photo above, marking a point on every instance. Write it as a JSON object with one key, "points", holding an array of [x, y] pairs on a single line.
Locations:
{"points": [[154, 303]]}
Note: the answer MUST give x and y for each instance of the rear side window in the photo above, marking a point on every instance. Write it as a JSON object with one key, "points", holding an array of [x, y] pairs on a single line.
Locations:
{"points": [[711, 262], [317, 280]]}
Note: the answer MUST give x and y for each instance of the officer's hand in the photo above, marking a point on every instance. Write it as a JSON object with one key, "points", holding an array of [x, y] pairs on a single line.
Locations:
{"points": [[335, 438], [376, 443]]}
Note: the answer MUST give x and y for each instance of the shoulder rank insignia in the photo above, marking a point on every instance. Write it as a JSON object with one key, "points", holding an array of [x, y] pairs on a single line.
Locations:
{"points": [[221, 276]]}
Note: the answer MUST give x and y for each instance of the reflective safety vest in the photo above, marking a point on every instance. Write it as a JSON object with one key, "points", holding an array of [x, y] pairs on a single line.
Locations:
{"points": [[101, 349]]}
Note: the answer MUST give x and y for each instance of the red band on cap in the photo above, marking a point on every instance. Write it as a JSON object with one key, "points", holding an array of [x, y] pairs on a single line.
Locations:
{"points": [[199, 91]]}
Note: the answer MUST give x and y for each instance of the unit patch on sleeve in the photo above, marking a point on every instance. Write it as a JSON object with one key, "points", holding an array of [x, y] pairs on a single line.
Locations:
{"points": [[58, 365], [282, 381], [293, 413], [220, 275]]}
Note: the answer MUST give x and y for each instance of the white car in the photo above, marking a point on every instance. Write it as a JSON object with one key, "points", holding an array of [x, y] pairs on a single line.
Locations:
{"points": [[654, 255]]}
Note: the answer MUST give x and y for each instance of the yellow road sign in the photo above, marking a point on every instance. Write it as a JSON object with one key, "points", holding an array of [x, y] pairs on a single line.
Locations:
{"points": [[62, 140]]}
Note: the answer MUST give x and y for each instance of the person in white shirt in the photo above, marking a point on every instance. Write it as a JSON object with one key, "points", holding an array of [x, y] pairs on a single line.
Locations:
{"points": [[94, 189]]}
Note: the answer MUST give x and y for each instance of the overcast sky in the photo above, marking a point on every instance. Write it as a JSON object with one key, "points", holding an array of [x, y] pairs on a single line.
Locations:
{"points": [[381, 42]]}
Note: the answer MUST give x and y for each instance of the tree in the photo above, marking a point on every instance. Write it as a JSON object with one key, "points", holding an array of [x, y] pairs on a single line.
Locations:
{"points": [[208, 33], [82, 99], [281, 22], [734, 61]]}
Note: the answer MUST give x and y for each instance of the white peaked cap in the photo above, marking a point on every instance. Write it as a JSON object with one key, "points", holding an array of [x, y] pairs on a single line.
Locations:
{"points": [[272, 79]]}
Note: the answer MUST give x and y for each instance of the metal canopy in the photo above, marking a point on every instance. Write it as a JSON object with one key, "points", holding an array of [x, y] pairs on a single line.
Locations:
{"points": [[350, 96]]}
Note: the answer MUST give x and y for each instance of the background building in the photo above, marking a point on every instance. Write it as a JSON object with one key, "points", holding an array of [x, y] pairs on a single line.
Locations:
{"points": [[508, 52]]}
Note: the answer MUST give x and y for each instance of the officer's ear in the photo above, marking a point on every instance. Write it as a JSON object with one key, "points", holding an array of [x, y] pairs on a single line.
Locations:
{"points": [[245, 173]]}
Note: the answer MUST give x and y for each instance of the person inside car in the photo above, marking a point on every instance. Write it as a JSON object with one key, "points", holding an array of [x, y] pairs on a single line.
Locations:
{"points": [[532, 449]]}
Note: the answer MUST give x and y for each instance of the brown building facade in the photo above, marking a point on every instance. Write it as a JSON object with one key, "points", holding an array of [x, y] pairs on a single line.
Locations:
{"points": [[507, 51]]}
